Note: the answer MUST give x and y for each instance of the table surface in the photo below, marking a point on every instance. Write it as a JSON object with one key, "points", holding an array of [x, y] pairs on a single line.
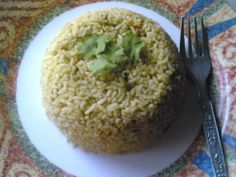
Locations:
{"points": [[232, 3], [19, 23]]}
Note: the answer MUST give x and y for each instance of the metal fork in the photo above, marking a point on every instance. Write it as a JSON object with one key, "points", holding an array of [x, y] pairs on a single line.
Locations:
{"points": [[198, 68]]}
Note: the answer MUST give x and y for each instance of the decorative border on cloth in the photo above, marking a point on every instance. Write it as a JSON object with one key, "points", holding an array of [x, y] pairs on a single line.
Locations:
{"points": [[35, 28]]}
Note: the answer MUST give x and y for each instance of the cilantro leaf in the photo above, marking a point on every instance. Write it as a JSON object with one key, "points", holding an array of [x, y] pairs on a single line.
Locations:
{"points": [[92, 45], [115, 53], [108, 56], [132, 46], [101, 65]]}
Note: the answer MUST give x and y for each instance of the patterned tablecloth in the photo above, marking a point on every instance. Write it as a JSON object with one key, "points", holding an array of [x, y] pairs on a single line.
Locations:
{"points": [[20, 20]]}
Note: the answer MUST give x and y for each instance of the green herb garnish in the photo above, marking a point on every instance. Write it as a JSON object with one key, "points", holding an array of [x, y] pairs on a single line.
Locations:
{"points": [[106, 55], [132, 45], [92, 45], [101, 66]]}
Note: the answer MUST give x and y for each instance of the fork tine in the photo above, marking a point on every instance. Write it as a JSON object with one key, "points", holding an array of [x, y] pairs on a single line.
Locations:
{"points": [[198, 52], [182, 42], [190, 51], [205, 47]]}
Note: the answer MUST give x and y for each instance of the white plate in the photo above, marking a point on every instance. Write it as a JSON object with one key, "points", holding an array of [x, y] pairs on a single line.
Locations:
{"points": [[51, 143]]}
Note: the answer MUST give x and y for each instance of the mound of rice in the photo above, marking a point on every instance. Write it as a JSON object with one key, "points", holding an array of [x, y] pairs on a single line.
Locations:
{"points": [[102, 115]]}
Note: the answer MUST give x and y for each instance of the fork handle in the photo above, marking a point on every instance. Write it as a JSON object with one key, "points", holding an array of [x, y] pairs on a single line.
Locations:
{"points": [[213, 138]]}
